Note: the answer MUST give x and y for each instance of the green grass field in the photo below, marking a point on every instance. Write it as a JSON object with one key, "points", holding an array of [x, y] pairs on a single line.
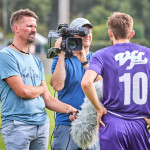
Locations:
{"points": [[49, 113]]}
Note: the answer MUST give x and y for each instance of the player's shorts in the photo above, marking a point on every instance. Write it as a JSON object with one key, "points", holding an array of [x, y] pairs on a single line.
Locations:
{"points": [[123, 134]]}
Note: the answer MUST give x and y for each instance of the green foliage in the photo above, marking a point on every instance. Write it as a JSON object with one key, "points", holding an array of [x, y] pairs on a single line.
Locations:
{"points": [[139, 30], [100, 32], [96, 45], [41, 28], [81, 8], [143, 42], [111, 5], [125, 7], [41, 8], [98, 15], [97, 11]]}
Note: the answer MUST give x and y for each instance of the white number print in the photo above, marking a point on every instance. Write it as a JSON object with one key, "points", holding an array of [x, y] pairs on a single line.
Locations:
{"points": [[139, 80]]}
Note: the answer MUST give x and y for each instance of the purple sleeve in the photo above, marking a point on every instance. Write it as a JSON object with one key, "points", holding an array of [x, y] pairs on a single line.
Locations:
{"points": [[96, 64]]}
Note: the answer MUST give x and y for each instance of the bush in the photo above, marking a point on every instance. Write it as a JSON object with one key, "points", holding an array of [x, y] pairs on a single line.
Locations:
{"points": [[100, 32], [96, 45], [143, 42], [139, 30]]}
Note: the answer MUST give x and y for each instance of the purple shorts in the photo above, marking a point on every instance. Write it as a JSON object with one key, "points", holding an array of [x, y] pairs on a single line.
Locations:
{"points": [[123, 134]]}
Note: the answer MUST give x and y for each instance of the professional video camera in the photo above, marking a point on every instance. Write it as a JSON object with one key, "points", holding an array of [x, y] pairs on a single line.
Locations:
{"points": [[69, 42]]}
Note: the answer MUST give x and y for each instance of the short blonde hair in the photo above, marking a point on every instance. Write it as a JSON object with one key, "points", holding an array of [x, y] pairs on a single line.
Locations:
{"points": [[121, 25], [17, 16]]}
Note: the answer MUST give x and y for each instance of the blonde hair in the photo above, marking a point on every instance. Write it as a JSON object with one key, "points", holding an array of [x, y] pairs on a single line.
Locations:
{"points": [[18, 15], [121, 25]]}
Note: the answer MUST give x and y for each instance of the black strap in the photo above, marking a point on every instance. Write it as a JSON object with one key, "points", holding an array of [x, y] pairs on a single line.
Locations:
{"points": [[86, 62]]}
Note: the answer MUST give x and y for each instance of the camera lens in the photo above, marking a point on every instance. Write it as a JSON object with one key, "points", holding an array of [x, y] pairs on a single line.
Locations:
{"points": [[72, 44]]}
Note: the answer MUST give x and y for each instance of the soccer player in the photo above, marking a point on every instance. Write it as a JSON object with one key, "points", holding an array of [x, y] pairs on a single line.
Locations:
{"points": [[125, 68]]}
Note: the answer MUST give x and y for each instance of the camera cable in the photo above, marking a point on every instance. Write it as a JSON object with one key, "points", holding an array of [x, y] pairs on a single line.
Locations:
{"points": [[54, 128]]}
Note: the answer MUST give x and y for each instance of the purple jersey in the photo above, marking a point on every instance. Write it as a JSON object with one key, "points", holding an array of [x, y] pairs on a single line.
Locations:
{"points": [[125, 69]]}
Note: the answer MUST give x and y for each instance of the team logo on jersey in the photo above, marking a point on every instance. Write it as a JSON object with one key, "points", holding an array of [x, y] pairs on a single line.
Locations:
{"points": [[135, 58]]}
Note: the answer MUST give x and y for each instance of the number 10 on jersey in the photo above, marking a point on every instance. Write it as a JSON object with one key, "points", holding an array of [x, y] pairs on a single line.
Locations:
{"points": [[140, 83]]}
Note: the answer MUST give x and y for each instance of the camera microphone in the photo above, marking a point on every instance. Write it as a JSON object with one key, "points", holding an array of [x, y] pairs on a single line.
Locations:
{"points": [[63, 30]]}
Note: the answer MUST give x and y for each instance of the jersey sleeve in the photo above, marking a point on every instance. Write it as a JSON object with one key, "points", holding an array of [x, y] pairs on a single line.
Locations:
{"points": [[96, 64]]}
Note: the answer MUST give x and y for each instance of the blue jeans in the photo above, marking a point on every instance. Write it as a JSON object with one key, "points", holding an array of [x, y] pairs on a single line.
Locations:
{"points": [[21, 136], [63, 141]]}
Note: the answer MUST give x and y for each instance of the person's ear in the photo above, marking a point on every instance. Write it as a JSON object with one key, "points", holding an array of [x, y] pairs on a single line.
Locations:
{"points": [[132, 34], [15, 28], [110, 33]]}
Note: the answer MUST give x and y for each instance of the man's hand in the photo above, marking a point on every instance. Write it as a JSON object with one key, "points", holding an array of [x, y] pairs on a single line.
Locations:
{"points": [[58, 43], [81, 55], [147, 120], [72, 112], [100, 113]]}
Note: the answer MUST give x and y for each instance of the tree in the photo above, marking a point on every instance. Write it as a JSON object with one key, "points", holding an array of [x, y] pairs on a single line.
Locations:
{"points": [[98, 15], [97, 11], [41, 8]]}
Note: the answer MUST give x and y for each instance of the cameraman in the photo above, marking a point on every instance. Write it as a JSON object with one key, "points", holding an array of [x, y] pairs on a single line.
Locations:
{"points": [[66, 78]]}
